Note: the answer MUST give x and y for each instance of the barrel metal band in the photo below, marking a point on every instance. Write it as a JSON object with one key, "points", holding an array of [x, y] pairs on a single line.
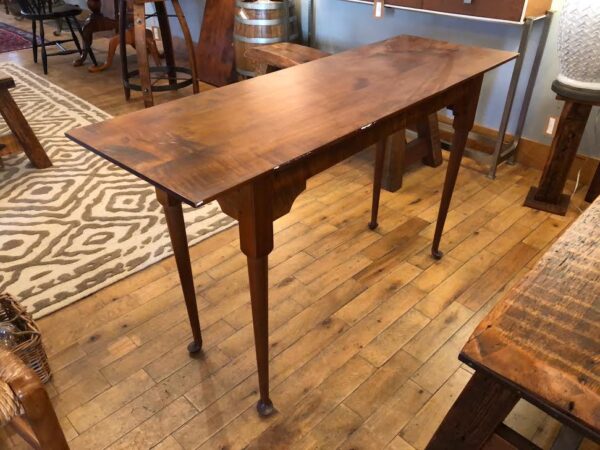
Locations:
{"points": [[258, 40], [263, 6], [263, 22]]}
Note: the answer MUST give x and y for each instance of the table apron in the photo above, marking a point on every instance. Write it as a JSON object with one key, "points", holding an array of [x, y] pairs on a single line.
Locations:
{"points": [[289, 180]]}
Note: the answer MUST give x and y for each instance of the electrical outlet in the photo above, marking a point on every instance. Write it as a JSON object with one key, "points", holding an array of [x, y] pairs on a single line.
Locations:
{"points": [[551, 126], [156, 33], [378, 9]]}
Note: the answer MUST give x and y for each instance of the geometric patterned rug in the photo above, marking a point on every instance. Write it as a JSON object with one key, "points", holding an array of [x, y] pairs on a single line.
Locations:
{"points": [[13, 38], [83, 224]]}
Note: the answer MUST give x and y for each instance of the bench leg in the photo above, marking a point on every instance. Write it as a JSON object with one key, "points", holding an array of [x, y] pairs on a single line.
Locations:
{"points": [[429, 130], [393, 165], [18, 125], [479, 410], [397, 147]]}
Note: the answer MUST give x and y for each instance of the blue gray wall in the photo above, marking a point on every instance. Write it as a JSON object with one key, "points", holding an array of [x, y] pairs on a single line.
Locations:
{"points": [[341, 25]]}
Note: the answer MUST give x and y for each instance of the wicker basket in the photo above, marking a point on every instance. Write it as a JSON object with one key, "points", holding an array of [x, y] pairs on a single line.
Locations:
{"points": [[29, 347]]}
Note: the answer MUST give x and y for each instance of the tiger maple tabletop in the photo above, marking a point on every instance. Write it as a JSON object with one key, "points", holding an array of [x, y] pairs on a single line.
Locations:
{"points": [[252, 145]]}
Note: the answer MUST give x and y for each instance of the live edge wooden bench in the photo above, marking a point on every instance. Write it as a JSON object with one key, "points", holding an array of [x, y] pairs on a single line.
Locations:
{"points": [[540, 343], [19, 127], [399, 153]]}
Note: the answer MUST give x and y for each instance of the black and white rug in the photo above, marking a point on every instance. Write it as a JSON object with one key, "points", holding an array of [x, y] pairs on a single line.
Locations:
{"points": [[83, 224]]}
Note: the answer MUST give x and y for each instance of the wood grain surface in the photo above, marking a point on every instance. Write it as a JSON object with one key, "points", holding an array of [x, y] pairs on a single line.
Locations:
{"points": [[226, 137], [544, 337], [214, 52], [122, 376]]}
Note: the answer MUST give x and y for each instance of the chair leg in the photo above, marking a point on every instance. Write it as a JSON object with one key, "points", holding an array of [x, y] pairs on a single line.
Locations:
{"points": [[34, 41], [87, 46], [73, 35], [44, 54], [39, 412]]}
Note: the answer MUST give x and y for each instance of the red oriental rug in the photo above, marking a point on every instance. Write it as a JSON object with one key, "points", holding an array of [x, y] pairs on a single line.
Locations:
{"points": [[12, 38]]}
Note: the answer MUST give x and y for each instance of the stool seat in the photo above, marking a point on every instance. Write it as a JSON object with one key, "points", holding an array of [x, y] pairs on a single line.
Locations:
{"points": [[588, 96], [284, 54]]}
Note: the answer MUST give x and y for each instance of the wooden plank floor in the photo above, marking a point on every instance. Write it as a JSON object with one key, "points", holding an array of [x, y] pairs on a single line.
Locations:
{"points": [[365, 326]]}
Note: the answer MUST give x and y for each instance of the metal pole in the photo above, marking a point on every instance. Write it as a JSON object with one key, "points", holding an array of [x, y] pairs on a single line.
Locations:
{"points": [[286, 18], [311, 23], [512, 90], [530, 86]]}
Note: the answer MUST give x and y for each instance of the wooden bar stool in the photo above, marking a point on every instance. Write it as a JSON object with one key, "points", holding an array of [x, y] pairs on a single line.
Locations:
{"points": [[177, 77], [548, 196]]}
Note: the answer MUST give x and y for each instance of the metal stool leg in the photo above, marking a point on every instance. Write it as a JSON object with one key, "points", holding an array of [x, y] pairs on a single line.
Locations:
{"points": [[123, 47], [44, 54], [34, 41], [167, 40]]}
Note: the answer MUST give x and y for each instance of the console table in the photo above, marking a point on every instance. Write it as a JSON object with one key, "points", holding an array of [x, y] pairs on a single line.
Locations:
{"points": [[521, 13], [252, 145]]}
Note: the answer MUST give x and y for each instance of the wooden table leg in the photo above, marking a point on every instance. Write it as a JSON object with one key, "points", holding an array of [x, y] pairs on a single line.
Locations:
{"points": [[253, 207], [379, 160], [464, 119], [18, 125], [548, 196], [176, 224], [478, 411]]}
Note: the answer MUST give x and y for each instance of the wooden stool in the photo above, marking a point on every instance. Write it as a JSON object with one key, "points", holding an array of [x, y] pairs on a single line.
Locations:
{"points": [[170, 72], [20, 128], [573, 120], [398, 152]]}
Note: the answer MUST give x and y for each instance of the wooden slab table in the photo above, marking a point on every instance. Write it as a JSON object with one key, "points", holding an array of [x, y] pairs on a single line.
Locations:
{"points": [[540, 343], [252, 145]]}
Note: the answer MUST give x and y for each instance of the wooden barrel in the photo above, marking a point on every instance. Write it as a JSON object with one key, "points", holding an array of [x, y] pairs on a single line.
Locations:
{"points": [[261, 22]]}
